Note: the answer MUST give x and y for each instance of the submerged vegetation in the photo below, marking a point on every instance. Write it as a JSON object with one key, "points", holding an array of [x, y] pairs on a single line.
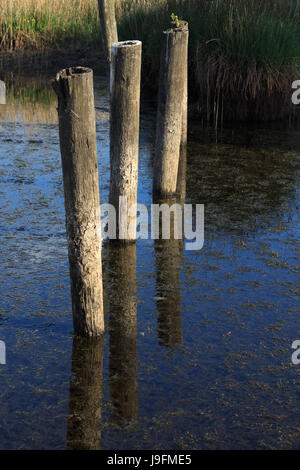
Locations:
{"points": [[243, 57]]}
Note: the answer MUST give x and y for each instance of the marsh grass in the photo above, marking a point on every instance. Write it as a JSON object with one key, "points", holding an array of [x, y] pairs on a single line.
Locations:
{"points": [[243, 55], [40, 24]]}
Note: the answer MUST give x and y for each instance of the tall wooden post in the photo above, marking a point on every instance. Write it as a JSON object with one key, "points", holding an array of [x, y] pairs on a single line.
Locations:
{"points": [[181, 176], [184, 125], [125, 82], [77, 131], [108, 26], [2, 92], [172, 87]]}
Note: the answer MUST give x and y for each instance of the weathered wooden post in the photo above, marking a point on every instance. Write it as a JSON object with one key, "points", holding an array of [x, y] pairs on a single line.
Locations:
{"points": [[185, 65], [77, 132], [2, 92], [108, 26], [125, 82], [169, 128], [181, 175]]}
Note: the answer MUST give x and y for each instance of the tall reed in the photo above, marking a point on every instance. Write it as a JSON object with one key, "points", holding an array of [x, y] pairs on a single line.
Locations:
{"points": [[243, 57], [40, 24], [244, 54]]}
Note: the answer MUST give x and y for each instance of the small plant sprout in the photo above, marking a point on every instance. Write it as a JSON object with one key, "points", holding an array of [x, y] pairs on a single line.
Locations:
{"points": [[175, 20]]}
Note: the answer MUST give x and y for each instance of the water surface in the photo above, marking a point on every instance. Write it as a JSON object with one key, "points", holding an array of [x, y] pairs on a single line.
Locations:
{"points": [[197, 351]]}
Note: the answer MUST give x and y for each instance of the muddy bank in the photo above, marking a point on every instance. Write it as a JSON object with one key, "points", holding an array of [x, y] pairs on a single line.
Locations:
{"points": [[226, 109], [51, 61]]}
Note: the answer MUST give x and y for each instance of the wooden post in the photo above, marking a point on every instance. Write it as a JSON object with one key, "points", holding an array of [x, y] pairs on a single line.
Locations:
{"points": [[108, 26], [185, 65], [77, 132], [125, 81], [172, 86], [2, 92], [181, 176]]}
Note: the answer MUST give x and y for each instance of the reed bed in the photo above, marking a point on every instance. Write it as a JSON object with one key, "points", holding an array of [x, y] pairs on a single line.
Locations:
{"points": [[243, 57], [41, 24]]}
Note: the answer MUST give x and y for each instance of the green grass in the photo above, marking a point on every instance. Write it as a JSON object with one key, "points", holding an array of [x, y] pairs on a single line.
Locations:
{"points": [[44, 24], [243, 54]]}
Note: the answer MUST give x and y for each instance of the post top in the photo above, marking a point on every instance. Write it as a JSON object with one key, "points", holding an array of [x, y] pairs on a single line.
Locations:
{"points": [[72, 72], [177, 26], [123, 44]]}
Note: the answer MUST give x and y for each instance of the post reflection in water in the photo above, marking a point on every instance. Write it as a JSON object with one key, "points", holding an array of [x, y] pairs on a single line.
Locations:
{"points": [[84, 421], [168, 254], [123, 332]]}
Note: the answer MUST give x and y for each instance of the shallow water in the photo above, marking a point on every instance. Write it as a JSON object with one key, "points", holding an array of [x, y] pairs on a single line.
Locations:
{"points": [[197, 351]]}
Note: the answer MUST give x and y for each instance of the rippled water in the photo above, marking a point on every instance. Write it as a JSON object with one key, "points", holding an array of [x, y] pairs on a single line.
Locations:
{"points": [[197, 351]]}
